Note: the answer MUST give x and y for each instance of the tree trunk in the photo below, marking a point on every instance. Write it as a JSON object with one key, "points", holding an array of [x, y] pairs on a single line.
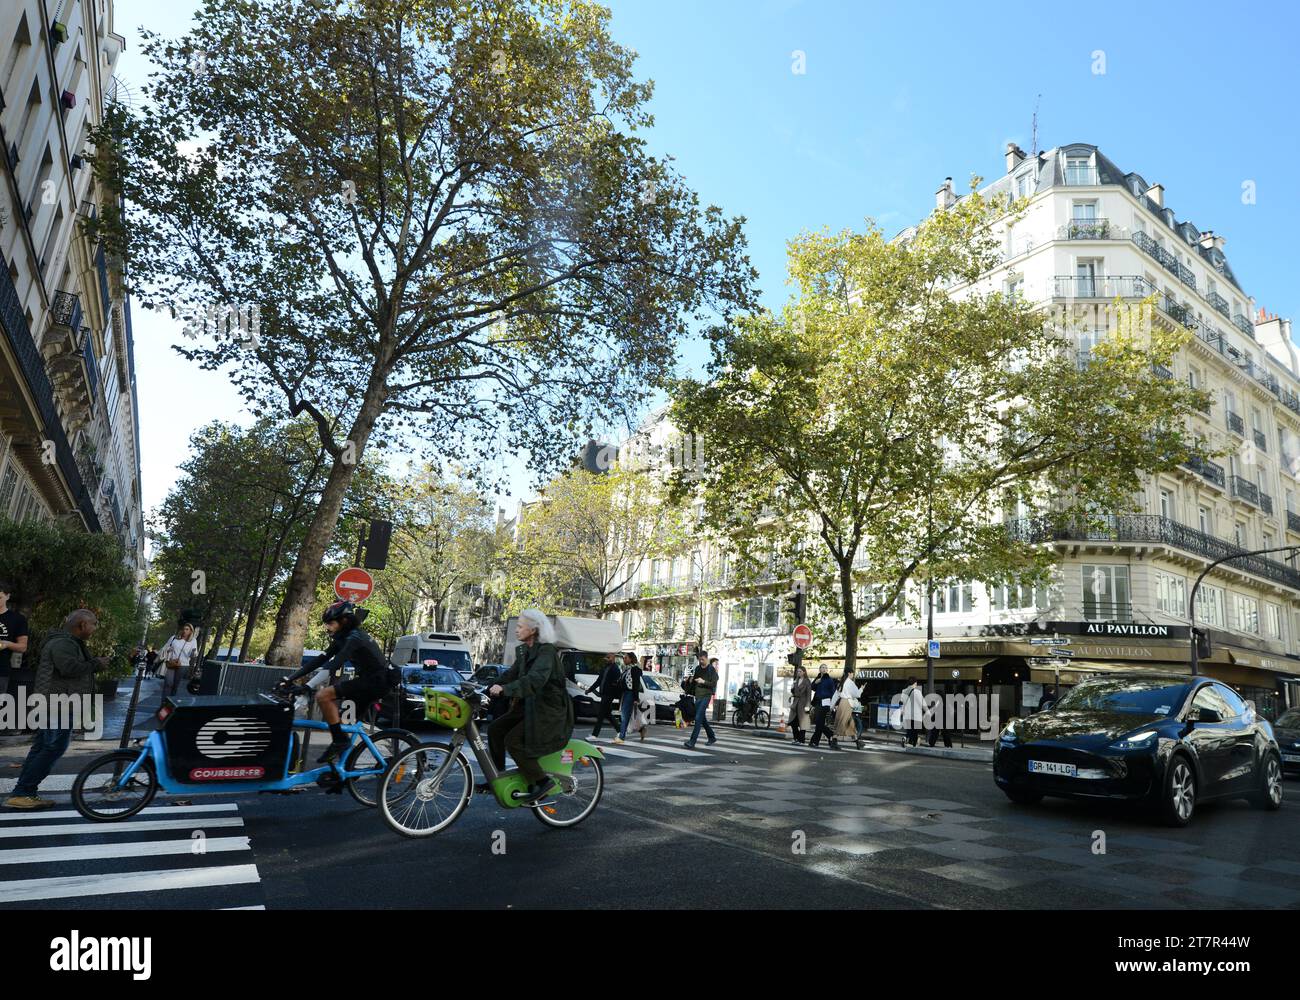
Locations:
{"points": [[291, 621], [850, 616]]}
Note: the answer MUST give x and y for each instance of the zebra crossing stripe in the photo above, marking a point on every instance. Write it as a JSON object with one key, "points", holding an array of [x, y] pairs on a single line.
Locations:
{"points": [[207, 807], [69, 886], [138, 849], [147, 826]]}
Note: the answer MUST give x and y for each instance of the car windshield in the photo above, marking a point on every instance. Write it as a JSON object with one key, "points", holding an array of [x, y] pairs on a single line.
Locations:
{"points": [[661, 682], [1289, 719], [439, 676], [1131, 696], [457, 659]]}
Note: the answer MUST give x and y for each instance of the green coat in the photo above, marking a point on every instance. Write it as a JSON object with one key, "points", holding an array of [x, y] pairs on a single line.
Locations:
{"points": [[65, 666], [538, 678]]}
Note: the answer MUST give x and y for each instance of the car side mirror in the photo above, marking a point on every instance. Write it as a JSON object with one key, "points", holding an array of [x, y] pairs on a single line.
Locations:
{"points": [[1204, 715]]}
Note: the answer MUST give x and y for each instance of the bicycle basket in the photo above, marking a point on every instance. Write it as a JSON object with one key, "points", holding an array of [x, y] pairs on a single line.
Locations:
{"points": [[446, 709]]}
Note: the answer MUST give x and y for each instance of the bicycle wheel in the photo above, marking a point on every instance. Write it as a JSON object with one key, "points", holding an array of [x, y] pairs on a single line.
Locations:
{"points": [[737, 719], [579, 793], [762, 720], [98, 793], [424, 790], [390, 742]]}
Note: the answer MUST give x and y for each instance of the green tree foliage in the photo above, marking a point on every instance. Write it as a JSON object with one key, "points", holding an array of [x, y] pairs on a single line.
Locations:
{"points": [[880, 428], [440, 209]]}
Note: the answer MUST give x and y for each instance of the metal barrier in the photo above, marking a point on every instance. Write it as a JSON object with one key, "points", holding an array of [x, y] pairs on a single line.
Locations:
{"points": [[246, 678]]}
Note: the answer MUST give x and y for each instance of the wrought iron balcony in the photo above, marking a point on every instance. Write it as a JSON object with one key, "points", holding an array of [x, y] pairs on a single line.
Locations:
{"points": [[1266, 503], [1179, 313], [1130, 286], [1161, 371], [1261, 442], [1207, 470], [1185, 274], [1244, 325], [1293, 521], [1085, 229], [1152, 528], [1106, 611], [1219, 303], [1236, 424], [1244, 489]]}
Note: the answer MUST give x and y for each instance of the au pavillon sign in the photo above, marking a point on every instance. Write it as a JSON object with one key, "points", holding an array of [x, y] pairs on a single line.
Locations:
{"points": [[1118, 630]]}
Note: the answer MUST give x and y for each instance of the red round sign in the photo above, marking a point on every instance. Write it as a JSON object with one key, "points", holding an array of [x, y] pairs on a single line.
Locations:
{"points": [[802, 636], [354, 584]]}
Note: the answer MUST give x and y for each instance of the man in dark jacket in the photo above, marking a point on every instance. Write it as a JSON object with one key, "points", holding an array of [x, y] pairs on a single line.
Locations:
{"points": [[702, 685], [540, 720], [607, 685], [66, 668], [823, 691]]}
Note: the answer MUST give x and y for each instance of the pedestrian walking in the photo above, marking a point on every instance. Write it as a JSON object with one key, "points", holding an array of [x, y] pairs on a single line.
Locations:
{"points": [[845, 705], [643, 707], [150, 660], [800, 700], [704, 682], [824, 688], [913, 705], [540, 720], [178, 653], [633, 687], [66, 668], [606, 685], [13, 634]]}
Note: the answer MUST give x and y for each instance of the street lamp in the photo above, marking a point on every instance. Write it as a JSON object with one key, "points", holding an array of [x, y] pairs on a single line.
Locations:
{"points": [[1191, 601]]}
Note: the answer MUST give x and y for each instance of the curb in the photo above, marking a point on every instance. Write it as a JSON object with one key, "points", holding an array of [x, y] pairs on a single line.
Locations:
{"points": [[979, 756]]}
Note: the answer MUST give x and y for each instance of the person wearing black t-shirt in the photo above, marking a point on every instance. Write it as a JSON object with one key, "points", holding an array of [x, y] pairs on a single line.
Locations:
{"points": [[13, 634]]}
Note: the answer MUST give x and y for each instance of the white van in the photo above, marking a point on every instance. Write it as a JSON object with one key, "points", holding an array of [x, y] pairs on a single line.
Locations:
{"points": [[582, 643], [447, 649]]}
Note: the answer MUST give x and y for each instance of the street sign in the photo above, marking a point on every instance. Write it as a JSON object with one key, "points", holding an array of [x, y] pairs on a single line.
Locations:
{"points": [[1062, 641], [934, 649], [802, 636], [1061, 652], [354, 584]]}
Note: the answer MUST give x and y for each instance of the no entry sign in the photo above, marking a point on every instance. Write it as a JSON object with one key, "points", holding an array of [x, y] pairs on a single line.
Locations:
{"points": [[354, 584], [802, 636]]}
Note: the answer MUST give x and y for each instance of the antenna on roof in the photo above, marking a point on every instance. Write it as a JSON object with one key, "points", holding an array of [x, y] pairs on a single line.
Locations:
{"points": [[1034, 140]]}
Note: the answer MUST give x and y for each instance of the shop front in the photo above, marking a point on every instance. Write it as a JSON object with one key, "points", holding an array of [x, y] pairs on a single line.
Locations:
{"points": [[741, 660], [674, 658]]}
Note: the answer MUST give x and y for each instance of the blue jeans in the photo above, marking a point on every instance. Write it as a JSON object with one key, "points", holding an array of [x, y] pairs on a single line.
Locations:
{"points": [[625, 714], [702, 719], [48, 746]]}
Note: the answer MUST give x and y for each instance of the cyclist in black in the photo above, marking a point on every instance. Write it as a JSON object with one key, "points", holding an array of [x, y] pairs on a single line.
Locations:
{"points": [[349, 643]]}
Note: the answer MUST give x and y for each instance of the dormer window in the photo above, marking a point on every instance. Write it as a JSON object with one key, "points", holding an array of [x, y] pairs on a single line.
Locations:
{"points": [[1078, 170]]}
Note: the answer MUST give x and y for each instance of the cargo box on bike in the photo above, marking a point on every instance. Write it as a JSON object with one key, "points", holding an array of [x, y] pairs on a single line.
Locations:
{"points": [[221, 738]]}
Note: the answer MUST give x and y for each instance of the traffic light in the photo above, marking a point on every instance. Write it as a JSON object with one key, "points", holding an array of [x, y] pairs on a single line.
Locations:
{"points": [[1203, 646], [796, 604], [377, 544]]}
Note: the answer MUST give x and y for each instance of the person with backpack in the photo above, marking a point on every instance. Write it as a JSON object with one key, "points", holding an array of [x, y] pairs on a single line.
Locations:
{"points": [[633, 688], [608, 686]]}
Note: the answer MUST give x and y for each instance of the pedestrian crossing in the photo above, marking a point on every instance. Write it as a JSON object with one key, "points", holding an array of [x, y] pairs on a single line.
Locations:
{"points": [[732, 743], [165, 857]]}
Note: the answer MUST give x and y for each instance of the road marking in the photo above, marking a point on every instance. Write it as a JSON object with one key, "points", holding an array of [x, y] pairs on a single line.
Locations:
{"points": [[139, 849], [107, 885], [54, 783], [77, 829], [73, 814], [605, 748], [259, 907]]}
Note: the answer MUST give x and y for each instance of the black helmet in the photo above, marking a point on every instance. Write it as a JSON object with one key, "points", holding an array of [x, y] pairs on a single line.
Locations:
{"points": [[339, 610]]}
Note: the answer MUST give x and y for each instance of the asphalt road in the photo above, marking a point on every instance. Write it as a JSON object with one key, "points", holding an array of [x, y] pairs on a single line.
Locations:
{"points": [[752, 822]]}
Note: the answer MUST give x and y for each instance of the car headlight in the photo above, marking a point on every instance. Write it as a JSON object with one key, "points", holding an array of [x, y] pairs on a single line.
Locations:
{"points": [[1009, 734], [1136, 741]]}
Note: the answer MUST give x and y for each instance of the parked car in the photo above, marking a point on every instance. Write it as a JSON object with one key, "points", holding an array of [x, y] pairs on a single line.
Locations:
{"points": [[1287, 731], [1152, 738], [665, 691], [415, 679]]}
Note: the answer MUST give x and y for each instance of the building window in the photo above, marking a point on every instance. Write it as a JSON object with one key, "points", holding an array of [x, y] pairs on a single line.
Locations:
{"points": [[1273, 621], [952, 597], [1239, 534], [1077, 170], [1166, 504], [7, 487], [1018, 597], [1106, 594], [1209, 606], [1245, 611], [1171, 594], [1206, 520]]}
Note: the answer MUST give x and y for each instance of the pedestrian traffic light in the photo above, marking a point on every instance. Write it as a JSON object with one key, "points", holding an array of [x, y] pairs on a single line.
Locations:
{"points": [[377, 544], [795, 659], [1203, 646]]}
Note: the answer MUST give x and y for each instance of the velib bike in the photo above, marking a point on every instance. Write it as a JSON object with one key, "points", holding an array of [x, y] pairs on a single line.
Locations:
{"points": [[427, 787], [214, 744]]}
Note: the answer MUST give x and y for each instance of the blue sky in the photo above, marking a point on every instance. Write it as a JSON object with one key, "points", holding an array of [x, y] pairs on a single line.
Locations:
{"points": [[895, 97]]}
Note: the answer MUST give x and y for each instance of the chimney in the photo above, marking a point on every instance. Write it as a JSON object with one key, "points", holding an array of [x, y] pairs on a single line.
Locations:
{"points": [[1207, 240], [944, 198], [1015, 156], [1156, 192]]}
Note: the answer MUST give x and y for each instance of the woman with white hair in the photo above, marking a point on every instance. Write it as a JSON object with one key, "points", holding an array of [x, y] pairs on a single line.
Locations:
{"points": [[540, 719]]}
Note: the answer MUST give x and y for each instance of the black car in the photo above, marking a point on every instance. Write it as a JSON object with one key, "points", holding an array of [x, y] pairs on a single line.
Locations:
{"points": [[1155, 738], [1287, 731]]}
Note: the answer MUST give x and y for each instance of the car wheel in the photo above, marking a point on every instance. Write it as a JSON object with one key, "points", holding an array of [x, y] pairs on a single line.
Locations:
{"points": [[1269, 795], [1178, 802], [1023, 797]]}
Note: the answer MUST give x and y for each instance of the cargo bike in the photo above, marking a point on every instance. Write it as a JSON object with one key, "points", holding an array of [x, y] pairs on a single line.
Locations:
{"points": [[232, 744]]}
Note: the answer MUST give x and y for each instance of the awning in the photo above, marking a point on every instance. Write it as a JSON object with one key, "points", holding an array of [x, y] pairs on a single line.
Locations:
{"points": [[1079, 669]]}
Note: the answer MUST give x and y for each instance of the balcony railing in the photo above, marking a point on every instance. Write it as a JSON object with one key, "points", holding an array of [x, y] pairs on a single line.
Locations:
{"points": [[1236, 424], [1293, 521], [1128, 286], [1178, 313], [1149, 528], [1266, 503], [1219, 303], [1244, 489], [1085, 229], [1208, 470], [1161, 371], [1080, 176], [1107, 611], [1261, 442], [1244, 325]]}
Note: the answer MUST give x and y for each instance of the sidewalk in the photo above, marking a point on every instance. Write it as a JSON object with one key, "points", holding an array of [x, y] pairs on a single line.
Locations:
{"points": [[876, 739]]}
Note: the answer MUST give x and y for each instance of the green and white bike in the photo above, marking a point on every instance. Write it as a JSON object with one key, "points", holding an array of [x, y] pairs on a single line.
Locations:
{"points": [[426, 788]]}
